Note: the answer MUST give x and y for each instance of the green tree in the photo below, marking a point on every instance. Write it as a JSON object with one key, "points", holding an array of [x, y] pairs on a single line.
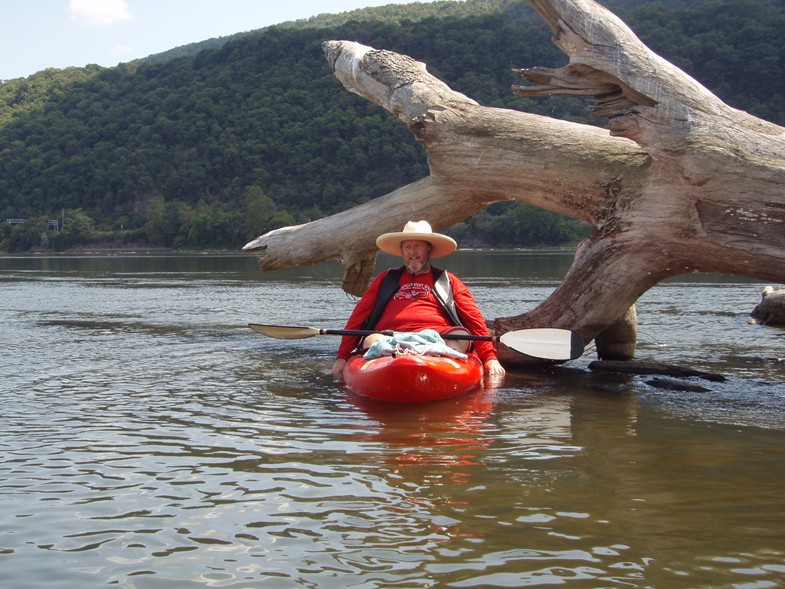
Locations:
{"points": [[261, 214], [155, 227], [77, 228], [151, 140]]}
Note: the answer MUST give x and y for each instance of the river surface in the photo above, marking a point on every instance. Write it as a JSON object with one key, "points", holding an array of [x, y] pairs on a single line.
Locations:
{"points": [[149, 439]]}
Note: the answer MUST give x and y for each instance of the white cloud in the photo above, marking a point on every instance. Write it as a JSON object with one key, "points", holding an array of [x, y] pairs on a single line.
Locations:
{"points": [[99, 12]]}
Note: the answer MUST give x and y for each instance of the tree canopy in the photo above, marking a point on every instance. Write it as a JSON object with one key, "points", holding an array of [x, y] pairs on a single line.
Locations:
{"points": [[222, 141]]}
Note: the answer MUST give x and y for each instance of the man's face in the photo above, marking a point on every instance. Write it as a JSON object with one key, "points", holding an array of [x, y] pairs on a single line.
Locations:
{"points": [[416, 255]]}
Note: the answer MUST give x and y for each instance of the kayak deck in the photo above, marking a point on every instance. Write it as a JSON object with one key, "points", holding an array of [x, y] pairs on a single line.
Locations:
{"points": [[413, 378]]}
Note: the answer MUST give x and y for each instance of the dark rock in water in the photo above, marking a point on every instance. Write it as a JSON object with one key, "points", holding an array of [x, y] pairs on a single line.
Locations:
{"points": [[676, 385], [653, 368], [771, 309], [753, 360]]}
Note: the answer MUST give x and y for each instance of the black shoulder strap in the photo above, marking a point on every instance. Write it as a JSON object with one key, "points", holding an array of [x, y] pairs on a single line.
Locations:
{"points": [[442, 288], [386, 291]]}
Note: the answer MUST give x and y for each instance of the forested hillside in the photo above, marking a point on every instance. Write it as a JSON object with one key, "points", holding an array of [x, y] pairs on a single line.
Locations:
{"points": [[214, 143]]}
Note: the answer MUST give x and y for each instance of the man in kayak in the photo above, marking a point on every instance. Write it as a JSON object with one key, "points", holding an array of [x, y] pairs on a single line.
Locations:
{"points": [[418, 296]]}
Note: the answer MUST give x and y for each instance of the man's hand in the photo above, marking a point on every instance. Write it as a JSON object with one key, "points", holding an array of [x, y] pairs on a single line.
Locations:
{"points": [[338, 368], [494, 367]]}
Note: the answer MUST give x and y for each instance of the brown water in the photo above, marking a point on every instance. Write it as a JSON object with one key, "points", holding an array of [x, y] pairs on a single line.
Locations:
{"points": [[149, 439]]}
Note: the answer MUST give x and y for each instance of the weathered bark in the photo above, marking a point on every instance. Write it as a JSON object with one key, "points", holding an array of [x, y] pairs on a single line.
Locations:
{"points": [[619, 340], [682, 183]]}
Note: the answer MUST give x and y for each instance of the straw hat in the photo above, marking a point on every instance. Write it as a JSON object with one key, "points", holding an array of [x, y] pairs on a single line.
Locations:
{"points": [[390, 243]]}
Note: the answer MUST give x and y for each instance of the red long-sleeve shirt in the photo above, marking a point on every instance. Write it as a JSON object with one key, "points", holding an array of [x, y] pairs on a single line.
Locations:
{"points": [[414, 308]]}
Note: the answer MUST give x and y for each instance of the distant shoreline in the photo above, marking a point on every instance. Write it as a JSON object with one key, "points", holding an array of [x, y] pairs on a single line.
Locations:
{"points": [[145, 250]]}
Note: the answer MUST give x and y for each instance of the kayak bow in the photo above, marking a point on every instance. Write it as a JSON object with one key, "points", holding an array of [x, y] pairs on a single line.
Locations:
{"points": [[413, 378]]}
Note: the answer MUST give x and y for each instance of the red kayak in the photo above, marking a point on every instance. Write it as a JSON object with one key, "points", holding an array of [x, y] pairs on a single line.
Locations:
{"points": [[413, 378]]}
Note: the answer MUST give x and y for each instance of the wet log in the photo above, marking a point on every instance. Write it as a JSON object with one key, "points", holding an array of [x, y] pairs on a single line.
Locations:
{"points": [[679, 183], [654, 368], [771, 309], [669, 384]]}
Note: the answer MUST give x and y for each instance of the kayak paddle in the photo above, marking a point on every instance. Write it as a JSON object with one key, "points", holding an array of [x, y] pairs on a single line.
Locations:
{"points": [[547, 343]]}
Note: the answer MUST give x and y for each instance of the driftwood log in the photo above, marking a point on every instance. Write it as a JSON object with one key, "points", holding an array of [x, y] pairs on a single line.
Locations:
{"points": [[679, 183], [654, 368]]}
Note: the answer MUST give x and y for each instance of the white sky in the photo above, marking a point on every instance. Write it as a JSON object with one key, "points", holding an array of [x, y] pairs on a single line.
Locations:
{"points": [[39, 34]]}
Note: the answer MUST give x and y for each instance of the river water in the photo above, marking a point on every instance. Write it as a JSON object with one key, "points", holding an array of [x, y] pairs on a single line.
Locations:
{"points": [[149, 439]]}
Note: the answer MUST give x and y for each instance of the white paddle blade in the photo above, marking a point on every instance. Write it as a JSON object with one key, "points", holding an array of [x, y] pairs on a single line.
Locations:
{"points": [[283, 331], [545, 342]]}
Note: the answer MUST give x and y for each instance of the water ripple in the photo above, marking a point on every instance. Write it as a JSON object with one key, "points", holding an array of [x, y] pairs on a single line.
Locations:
{"points": [[151, 440]]}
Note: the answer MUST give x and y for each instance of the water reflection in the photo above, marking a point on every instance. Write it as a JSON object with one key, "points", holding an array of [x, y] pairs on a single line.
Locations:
{"points": [[449, 432]]}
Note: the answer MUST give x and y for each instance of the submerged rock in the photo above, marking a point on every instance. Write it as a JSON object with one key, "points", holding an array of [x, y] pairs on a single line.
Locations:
{"points": [[676, 385], [771, 309]]}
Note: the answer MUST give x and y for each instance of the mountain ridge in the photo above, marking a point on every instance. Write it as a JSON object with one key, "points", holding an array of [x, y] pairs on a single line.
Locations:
{"points": [[212, 148]]}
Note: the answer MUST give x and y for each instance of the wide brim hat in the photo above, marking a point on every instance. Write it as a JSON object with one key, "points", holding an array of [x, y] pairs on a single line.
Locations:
{"points": [[442, 245]]}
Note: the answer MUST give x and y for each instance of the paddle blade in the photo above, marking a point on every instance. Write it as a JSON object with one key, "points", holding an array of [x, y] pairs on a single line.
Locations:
{"points": [[546, 342], [284, 331]]}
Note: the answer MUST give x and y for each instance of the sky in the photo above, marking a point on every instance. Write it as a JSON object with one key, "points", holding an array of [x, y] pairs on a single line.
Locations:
{"points": [[40, 34]]}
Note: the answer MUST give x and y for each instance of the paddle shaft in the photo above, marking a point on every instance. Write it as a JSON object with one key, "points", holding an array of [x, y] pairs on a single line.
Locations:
{"points": [[364, 332], [545, 343]]}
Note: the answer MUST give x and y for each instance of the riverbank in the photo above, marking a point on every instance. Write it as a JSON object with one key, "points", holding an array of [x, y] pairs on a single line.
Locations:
{"points": [[112, 249]]}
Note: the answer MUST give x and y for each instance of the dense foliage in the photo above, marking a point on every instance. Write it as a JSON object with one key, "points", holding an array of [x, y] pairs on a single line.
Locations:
{"points": [[212, 144]]}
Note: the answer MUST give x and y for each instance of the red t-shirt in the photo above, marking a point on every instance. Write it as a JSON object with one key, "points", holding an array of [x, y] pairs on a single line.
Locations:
{"points": [[414, 308]]}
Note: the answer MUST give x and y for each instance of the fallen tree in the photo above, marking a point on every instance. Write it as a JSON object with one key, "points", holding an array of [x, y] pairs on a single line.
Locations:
{"points": [[679, 183]]}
